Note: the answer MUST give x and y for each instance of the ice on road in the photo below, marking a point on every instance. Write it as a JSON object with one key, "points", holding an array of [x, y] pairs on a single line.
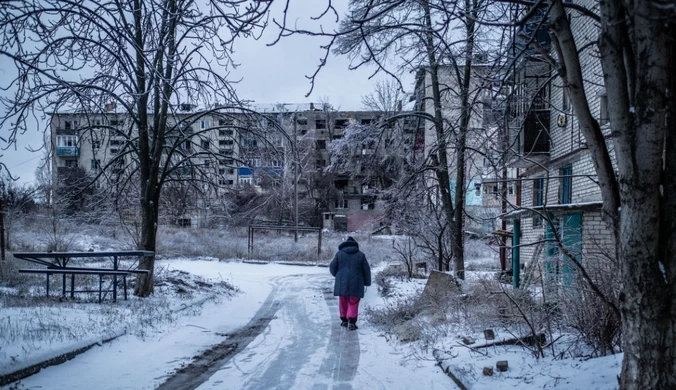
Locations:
{"points": [[281, 332]]}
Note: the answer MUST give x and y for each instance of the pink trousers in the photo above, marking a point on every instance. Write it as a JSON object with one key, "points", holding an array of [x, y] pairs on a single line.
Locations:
{"points": [[348, 306]]}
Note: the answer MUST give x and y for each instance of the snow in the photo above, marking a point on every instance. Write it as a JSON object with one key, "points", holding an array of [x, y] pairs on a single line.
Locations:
{"points": [[299, 347]]}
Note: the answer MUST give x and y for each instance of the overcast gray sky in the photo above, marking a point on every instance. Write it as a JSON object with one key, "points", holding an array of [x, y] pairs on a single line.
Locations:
{"points": [[273, 74]]}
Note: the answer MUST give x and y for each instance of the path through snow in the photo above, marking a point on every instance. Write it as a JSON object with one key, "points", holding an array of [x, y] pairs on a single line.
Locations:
{"points": [[282, 332]]}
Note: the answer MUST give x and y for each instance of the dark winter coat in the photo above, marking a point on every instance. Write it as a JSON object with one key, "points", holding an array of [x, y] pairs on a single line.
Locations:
{"points": [[351, 270]]}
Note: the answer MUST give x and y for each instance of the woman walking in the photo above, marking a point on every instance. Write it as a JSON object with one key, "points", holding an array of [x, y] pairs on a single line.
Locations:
{"points": [[352, 273]]}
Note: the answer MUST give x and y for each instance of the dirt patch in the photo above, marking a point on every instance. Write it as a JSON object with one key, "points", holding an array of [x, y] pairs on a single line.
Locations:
{"points": [[203, 366]]}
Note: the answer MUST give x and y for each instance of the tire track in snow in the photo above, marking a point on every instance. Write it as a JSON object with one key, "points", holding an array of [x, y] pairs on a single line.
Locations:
{"points": [[211, 360]]}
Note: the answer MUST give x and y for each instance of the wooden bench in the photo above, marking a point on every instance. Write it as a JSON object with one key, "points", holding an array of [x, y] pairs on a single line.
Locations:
{"points": [[72, 271]]}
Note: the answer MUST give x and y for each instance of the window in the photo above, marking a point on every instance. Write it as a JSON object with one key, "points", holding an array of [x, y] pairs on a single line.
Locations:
{"points": [[224, 133], [71, 163], [341, 204], [321, 144], [320, 163], [367, 204], [68, 141], [205, 145], [225, 152], [95, 164], [510, 189], [255, 162], [320, 124], [70, 125], [301, 121], [225, 142], [221, 171], [603, 110], [231, 172], [114, 142], [566, 185], [341, 123], [207, 163], [97, 122], [114, 151], [538, 198], [186, 145], [226, 122], [205, 124], [115, 122], [490, 188], [250, 142], [366, 121]]}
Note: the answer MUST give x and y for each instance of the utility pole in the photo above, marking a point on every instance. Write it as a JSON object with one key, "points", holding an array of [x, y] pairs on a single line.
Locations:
{"points": [[295, 177]]}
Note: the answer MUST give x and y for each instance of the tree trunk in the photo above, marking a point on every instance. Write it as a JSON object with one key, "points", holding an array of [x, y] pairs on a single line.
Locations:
{"points": [[466, 107], [643, 108], [144, 283], [636, 46], [442, 146]]}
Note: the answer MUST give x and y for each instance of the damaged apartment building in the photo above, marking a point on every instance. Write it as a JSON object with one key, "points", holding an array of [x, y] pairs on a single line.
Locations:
{"points": [[281, 150]]}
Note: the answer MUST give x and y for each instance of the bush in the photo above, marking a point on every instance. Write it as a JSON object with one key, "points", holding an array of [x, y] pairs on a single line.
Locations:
{"points": [[384, 279]]}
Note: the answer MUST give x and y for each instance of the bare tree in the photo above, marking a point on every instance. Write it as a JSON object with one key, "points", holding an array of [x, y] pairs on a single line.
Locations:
{"points": [[148, 58], [421, 33]]}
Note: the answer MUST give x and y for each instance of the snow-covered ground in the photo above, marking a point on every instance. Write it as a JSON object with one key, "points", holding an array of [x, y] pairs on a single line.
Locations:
{"points": [[278, 330], [301, 347]]}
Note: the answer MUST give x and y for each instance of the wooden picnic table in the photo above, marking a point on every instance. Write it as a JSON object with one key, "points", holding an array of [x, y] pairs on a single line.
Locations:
{"points": [[56, 263]]}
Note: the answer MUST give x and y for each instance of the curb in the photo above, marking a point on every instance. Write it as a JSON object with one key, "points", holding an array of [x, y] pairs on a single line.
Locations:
{"points": [[52, 359], [446, 368]]}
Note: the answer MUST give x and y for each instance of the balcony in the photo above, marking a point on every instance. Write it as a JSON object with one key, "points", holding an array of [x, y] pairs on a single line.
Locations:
{"points": [[66, 131], [535, 135], [67, 151]]}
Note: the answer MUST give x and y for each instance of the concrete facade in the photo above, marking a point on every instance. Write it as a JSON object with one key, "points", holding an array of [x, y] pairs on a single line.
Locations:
{"points": [[234, 149]]}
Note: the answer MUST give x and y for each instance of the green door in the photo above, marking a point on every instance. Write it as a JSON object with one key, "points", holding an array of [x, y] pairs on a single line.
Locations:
{"points": [[572, 241], [559, 264]]}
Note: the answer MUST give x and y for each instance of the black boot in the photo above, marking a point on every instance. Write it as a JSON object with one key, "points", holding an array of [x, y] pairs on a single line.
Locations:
{"points": [[343, 321], [352, 324]]}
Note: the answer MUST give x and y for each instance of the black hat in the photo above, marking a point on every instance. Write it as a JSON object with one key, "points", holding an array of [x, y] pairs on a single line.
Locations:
{"points": [[349, 238]]}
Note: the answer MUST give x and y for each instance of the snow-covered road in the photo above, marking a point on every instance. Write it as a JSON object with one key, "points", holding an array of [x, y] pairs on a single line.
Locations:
{"points": [[281, 332]]}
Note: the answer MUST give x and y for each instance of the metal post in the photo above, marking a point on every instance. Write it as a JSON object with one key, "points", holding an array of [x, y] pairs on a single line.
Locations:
{"points": [[516, 261], [295, 177], [503, 238], [115, 279], [319, 244], [2, 230]]}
